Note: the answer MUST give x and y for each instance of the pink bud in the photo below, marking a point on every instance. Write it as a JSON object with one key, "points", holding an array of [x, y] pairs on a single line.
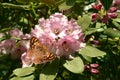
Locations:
{"points": [[87, 67], [112, 15], [113, 9], [94, 17], [94, 65], [95, 42], [94, 71], [105, 18], [97, 7]]}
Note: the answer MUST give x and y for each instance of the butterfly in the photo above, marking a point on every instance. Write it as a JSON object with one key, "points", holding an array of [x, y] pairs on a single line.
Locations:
{"points": [[38, 52]]}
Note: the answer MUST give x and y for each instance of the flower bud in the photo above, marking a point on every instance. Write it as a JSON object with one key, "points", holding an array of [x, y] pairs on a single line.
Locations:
{"points": [[97, 7], [94, 17], [113, 9], [95, 42], [94, 65], [94, 71], [112, 15], [87, 67]]}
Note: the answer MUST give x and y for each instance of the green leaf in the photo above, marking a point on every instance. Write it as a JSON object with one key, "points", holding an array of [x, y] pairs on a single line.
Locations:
{"points": [[26, 1], [87, 58], [64, 6], [106, 3], [91, 51], [117, 25], [70, 2], [90, 31], [98, 25], [84, 22], [112, 33], [76, 65], [31, 77], [116, 19], [24, 71], [50, 71]]}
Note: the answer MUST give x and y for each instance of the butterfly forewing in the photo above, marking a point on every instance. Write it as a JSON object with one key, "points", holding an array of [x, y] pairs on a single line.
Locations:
{"points": [[38, 52]]}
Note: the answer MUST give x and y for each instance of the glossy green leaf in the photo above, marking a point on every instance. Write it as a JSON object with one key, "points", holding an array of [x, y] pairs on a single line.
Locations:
{"points": [[91, 51], [31, 77], [112, 33], [84, 22], [76, 65], [24, 71], [106, 3], [50, 71]]}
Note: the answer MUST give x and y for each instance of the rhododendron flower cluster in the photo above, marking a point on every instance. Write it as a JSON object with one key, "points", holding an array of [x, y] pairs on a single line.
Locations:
{"points": [[13, 47], [103, 16], [61, 36]]}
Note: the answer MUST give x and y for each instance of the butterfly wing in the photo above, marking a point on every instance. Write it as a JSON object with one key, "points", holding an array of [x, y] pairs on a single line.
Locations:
{"points": [[38, 52]]}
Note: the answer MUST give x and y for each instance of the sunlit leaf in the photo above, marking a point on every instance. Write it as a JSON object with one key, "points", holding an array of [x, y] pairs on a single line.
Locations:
{"points": [[76, 65], [112, 33], [84, 22], [87, 58], [116, 19], [31, 77], [24, 71], [50, 71], [91, 51], [64, 6]]}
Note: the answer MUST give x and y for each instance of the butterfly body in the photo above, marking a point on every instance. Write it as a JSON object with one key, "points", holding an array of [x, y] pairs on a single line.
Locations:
{"points": [[38, 53]]}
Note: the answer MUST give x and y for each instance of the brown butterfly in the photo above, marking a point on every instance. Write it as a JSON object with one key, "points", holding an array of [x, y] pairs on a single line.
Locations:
{"points": [[38, 53]]}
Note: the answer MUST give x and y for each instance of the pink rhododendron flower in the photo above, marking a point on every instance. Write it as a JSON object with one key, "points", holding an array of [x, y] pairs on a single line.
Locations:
{"points": [[25, 36], [26, 62], [13, 48], [16, 33], [68, 45], [6, 46], [16, 54], [59, 34], [116, 2]]}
